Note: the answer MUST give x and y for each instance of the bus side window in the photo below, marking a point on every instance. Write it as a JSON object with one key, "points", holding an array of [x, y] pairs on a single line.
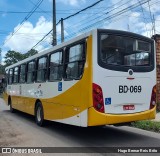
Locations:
{"points": [[22, 76], [41, 69], [10, 77], [15, 76], [56, 67], [31, 72], [74, 62]]}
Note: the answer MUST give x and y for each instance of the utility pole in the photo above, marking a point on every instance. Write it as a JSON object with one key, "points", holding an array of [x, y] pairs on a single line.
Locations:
{"points": [[128, 27], [54, 41], [154, 26], [62, 30]]}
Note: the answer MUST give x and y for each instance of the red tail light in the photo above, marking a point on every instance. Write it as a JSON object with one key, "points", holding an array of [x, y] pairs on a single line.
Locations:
{"points": [[98, 103], [153, 98]]}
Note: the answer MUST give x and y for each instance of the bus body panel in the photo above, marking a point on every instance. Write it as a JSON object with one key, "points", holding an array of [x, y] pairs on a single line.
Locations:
{"points": [[57, 106], [123, 93], [96, 118], [68, 105]]}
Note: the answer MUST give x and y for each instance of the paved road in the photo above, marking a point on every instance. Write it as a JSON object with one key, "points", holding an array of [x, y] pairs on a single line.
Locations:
{"points": [[19, 130]]}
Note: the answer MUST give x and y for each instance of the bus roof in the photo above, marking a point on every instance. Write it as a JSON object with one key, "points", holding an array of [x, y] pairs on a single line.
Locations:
{"points": [[80, 37]]}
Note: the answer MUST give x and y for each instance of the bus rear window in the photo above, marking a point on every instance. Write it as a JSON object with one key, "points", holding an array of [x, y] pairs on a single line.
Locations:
{"points": [[120, 51]]}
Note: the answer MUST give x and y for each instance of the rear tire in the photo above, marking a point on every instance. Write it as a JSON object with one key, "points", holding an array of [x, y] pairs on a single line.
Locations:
{"points": [[39, 114]]}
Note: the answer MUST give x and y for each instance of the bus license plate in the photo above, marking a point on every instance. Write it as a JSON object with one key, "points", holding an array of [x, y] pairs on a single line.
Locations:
{"points": [[128, 107]]}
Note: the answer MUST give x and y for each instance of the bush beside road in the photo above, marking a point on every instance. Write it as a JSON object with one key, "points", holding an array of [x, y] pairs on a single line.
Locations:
{"points": [[150, 125], [147, 125]]}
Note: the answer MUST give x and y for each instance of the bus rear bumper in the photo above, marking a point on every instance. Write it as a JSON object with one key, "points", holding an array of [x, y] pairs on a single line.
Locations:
{"points": [[96, 118]]}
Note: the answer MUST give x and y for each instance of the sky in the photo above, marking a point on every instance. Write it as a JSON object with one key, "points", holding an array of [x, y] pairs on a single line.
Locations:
{"points": [[22, 25]]}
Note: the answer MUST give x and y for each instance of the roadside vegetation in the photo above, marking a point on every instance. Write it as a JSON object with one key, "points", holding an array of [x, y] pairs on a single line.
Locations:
{"points": [[158, 107], [147, 125]]}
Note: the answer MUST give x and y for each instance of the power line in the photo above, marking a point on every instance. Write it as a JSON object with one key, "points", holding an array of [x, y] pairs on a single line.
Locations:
{"points": [[84, 9], [151, 16], [22, 12], [67, 18], [42, 39], [143, 16], [77, 14], [104, 14], [89, 22], [130, 8], [39, 8], [25, 19], [110, 17], [115, 16]]}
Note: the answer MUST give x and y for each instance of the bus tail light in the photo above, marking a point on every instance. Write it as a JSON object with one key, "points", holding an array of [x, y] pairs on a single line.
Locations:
{"points": [[153, 98], [98, 102]]}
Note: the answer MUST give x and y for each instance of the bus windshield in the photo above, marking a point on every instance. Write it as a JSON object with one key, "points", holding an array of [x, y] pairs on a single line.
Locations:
{"points": [[124, 51]]}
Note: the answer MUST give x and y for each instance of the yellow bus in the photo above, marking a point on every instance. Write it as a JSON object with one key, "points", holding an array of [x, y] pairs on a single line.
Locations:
{"points": [[98, 78]]}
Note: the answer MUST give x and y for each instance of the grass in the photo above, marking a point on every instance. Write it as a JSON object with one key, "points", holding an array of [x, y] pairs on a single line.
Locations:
{"points": [[147, 125]]}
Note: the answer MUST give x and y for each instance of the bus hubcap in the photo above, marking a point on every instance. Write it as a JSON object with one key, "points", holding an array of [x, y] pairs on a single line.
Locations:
{"points": [[39, 114]]}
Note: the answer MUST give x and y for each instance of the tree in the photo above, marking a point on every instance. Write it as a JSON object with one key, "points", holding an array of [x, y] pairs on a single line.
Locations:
{"points": [[30, 53], [1, 69], [12, 57]]}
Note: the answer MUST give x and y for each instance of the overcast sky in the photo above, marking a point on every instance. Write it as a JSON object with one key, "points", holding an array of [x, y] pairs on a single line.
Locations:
{"points": [[20, 34]]}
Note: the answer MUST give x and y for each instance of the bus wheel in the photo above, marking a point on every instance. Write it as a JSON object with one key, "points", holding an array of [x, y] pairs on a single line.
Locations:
{"points": [[12, 110], [39, 115]]}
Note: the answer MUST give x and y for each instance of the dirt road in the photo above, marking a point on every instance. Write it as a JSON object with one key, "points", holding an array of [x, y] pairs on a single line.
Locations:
{"points": [[19, 130]]}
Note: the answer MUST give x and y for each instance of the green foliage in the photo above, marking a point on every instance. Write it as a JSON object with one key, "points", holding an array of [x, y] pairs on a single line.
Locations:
{"points": [[147, 125], [2, 69], [12, 57], [30, 53]]}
